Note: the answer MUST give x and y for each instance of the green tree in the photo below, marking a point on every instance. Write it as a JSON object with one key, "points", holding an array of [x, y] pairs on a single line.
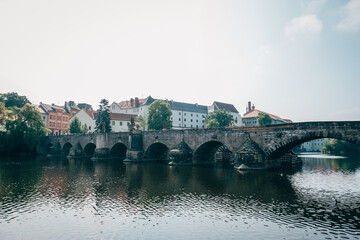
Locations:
{"points": [[212, 123], [75, 125], [103, 120], [222, 117], [335, 146], [263, 119], [13, 100], [84, 128], [159, 115], [141, 121], [25, 128], [2, 114]]}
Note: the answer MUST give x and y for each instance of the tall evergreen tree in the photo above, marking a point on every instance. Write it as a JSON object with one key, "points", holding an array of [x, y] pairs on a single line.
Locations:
{"points": [[75, 125], [103, 120]]}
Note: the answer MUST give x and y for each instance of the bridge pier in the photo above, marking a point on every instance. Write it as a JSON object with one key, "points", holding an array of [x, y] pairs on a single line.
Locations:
{"points": [[135, 151]]}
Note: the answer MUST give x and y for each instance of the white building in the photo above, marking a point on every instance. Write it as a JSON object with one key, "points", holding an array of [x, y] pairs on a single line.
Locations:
{"points": [[121, 122], [314, 145], [184, 115], [229, 108], [86, 117]]}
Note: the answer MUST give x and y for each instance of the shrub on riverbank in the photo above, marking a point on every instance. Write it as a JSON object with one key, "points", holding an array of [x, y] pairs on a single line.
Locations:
{"points": [[335, 146]]}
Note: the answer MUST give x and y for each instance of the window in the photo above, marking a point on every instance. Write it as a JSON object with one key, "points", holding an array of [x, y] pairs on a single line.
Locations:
{"points": [[191, 120], [120, 123], [191, 115], [89, 127], [59, 118], [197, 126], [197, 120], [184, 125], [179, 113], [179, 119], [184, 114], [113, 122], [191, 125], [179, 125], [128, 123], [184, 119], [202, 121], [197, 115], [65, 125], [58, 125]]}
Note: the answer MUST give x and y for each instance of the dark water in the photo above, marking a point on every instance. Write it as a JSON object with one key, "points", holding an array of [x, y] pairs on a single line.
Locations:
{"points": [[55, 198]]}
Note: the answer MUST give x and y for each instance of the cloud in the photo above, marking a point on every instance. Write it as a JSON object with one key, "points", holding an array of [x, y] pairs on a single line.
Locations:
{"points": [[303, 27], [351, 22]]}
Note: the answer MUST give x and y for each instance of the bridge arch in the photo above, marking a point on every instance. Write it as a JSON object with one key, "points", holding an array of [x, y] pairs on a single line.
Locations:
{"points": [[287, 145], [89, 149], [48, 148], [208, 151], [66, 148], [157, 151], [118, 151]]}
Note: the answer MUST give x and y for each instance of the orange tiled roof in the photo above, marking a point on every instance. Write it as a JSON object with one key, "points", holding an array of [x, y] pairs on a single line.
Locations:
{"points": [[127, 103], [255, 112]]}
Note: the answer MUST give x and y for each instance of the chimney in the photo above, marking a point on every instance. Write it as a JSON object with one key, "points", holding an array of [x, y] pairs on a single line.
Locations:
{"points": [[253, 107], [249, 107], [131, 102], [137, 103]]}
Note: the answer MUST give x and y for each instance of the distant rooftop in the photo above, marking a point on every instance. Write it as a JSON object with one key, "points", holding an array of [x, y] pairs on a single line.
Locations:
{"points": [[226, 106]]}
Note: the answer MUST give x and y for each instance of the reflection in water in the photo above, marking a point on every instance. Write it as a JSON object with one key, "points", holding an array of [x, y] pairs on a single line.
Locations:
{"points": [[83, 199]]}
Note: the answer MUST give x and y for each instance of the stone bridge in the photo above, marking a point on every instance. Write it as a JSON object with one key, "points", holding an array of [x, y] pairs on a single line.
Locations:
{"points": [[258, 145]]}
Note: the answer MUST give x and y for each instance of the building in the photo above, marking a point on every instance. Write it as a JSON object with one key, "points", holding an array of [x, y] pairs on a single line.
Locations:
{"points": [[314, 145], [86, 117], [56, 118], [249, 118], [229, 108], [184, 115]]}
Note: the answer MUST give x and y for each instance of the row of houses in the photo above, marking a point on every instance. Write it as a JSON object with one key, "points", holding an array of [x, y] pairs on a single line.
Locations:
{"points": [[184, 115]]}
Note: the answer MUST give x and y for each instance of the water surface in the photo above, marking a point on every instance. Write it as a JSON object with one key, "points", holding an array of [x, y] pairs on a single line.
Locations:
{"points": [[56, 198]]}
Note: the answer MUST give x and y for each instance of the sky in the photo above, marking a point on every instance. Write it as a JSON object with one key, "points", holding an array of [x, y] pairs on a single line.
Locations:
{"points": [[299, 60]]}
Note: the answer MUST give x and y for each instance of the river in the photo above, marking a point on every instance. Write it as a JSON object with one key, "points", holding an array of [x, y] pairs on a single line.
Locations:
{"points": [[57, 198]]}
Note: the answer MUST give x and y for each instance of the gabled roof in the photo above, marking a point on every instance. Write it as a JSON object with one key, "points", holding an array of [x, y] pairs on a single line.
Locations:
{"points": [[253, 114], [53, 108], [179, 106], [149, 100], [226, 106], [187, 107], [90, 112], [127, 104]]}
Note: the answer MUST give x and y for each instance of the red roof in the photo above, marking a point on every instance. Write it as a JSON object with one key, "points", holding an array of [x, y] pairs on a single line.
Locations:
{"points": [[130, 103], [255, 112]]}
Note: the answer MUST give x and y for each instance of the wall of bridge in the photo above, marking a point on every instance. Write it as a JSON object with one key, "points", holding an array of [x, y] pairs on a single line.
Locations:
{"points": [[270, 141]]}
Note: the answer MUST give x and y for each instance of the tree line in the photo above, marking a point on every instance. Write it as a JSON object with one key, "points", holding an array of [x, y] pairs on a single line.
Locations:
{"points": [[21, 124]]}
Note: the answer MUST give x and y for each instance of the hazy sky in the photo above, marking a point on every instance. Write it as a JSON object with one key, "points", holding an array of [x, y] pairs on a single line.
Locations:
{"points": [[296, 59]]}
